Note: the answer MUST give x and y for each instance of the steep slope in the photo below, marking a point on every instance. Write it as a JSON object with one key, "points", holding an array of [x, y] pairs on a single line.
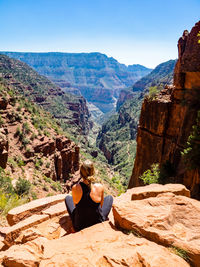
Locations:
{"points": [[97, 77], [162, 74], [71, 110], [117, 136], [169, 124], [37, 158], [33, 146]]}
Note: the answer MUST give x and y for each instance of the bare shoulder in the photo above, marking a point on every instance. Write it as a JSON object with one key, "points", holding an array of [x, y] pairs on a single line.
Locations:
{"points": [[98, 186], [76, 187]]}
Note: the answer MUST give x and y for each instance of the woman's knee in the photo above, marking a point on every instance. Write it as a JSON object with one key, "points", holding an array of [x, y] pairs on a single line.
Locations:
{"points": [[109, 199], [68, 199]]}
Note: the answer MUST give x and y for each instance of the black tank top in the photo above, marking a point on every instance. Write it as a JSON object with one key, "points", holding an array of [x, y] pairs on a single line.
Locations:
{"points": [[87, 212]]}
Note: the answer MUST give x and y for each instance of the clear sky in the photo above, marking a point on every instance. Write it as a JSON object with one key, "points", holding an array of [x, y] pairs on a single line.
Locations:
{"points": [[132, 31]]}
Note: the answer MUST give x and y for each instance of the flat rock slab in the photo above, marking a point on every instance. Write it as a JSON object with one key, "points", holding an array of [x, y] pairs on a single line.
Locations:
{"points": [[56, 210], [12, 232], [99, 245], [167, 219], [20, 213], [153, 190]]}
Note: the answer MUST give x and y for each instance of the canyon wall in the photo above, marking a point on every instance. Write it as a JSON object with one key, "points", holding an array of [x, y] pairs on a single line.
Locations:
{"points": [[167, 121], [95, 76]]}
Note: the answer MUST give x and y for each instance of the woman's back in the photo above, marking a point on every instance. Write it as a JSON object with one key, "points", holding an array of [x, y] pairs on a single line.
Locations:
{"points": [[87, 212]]}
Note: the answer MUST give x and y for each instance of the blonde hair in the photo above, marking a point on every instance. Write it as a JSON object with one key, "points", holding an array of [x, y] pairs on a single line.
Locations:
{"points": [[87, 171]]}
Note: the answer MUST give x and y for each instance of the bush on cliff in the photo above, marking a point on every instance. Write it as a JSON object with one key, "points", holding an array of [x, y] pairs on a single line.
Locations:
{"points": [[151, 176], [22, 187], [8, 194], [159, 175], [191, 153]]}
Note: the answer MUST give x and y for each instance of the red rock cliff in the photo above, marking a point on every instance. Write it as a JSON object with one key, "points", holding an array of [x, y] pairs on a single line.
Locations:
{"points": [[166, 122]]}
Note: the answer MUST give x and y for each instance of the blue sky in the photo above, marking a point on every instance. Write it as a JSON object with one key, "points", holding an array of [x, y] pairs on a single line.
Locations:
{"points": [[132, 31]]}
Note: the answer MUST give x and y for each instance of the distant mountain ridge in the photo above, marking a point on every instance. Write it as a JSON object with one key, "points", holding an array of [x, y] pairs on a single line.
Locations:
{"points": [[70, 110], [95, 76]]}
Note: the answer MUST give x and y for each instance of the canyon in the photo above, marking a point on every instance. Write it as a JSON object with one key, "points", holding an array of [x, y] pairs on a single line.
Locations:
{"points": [[117, 137], [152, 225], [167, 121], [95, 76]]}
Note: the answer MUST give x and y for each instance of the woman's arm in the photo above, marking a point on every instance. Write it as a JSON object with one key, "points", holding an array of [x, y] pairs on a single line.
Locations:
{"points": [[76, 193]]}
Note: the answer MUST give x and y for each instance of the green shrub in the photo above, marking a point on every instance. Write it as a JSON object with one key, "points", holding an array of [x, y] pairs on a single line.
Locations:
{"points": [[151, 176], [56, 186], [26, 128], [38, 163], [48, 180], [10, 201], [18, 132], [19, 107], [153, 91], [1, 121], [33, 136], [20, 162], [181, 253], [191, 153], [45, 188], [22, 187], [47, 164], [5, 182], [34, 195]]}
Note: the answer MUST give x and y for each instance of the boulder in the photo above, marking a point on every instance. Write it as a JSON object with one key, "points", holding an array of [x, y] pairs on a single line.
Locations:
{"points": [[3, 103], [56, 210], [152, 190], [13, 232], [4, 146], [167, 219], [27, 255], [99, 245], [19, 213]]}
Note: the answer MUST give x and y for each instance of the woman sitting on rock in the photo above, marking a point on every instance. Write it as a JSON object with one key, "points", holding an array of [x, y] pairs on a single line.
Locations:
{"points": [[87, 206]]}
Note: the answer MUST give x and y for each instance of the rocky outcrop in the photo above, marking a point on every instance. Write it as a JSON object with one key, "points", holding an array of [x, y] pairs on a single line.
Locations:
{"points": [[123, 96], [166, 219], [64, 154], [166, 122], [4, 146], [144, 232]]}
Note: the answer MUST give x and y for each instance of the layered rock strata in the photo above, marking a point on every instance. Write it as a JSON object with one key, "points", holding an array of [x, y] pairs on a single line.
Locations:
{"points": [[166, 122]]}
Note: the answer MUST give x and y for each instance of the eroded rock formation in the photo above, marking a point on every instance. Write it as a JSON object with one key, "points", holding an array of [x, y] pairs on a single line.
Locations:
{"points": [[142, 232], [166, 122]]}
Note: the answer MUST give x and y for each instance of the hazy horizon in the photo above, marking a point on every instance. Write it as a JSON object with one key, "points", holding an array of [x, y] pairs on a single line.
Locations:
{"points": [[132, 32]]}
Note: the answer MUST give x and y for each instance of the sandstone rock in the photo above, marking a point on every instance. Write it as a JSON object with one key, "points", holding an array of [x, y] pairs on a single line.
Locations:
{"points": [[3, 148], [17, 214], [46, 147], [101, 245], [28, 255], [166, 219], [13, 232], [152, 190], [28, 235], [56, 210], [3, 103], [166, 123], [155, 189], [62, 142]]}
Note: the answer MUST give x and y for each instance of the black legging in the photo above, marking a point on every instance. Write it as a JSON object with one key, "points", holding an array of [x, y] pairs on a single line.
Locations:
{"points": [[107, 205]]}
